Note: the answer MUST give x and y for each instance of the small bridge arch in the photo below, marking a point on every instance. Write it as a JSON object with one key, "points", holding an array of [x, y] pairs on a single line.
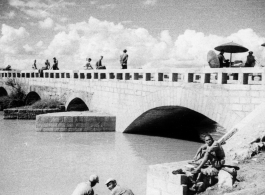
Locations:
{"points": [[3, 92], [76, 104], [31, 98]]}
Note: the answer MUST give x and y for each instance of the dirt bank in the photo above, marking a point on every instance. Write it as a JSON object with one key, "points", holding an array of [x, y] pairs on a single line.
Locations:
{"points": [[251, 178]]}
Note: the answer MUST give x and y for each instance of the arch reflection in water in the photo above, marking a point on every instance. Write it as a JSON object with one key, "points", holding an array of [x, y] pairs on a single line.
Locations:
{"points": [[175, 122]]}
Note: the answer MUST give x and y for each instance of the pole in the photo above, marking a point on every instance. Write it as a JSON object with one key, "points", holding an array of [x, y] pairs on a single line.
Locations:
{"points": [[230, 59]]}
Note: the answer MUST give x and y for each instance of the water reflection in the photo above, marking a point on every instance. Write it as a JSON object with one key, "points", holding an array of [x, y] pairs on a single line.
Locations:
{"points": [[53, 163]]}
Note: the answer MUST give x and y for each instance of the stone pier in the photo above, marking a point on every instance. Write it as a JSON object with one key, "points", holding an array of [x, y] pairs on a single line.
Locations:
{"points": [[161, 181], [76, 122]]}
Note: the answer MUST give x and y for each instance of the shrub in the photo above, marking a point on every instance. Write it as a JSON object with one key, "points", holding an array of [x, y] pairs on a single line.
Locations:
{"points": [[46, 104], [4, 102], [17, 95]]}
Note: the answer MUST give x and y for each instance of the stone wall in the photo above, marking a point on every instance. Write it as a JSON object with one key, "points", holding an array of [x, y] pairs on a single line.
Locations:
{"points": [[76, 122], [161, 181], [17, 113]]}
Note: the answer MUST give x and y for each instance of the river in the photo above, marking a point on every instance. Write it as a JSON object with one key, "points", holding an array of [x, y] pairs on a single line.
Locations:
{"points": [[53, 163]]}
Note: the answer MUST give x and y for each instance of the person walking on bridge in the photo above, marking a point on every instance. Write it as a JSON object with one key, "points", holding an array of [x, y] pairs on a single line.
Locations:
{"points": [[123, 59]]}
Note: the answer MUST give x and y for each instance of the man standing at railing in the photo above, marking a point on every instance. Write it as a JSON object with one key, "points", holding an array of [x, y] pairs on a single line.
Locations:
{"points": [[124, 59], [221, 58]]}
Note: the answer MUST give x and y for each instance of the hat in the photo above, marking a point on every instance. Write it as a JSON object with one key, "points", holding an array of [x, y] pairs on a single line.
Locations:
{"points": [[110, 180], [94, 178], [251, 52]]}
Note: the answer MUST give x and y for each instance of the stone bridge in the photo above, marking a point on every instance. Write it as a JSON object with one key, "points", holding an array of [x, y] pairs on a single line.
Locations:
{"points": [[225, 95]]}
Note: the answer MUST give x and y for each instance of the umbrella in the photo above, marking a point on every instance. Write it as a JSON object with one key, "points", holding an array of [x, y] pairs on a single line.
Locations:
{"points": [[263, 45], [231, 47]]}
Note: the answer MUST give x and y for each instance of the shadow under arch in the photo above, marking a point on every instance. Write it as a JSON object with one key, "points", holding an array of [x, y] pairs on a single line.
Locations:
{"points": [[77, 104], [3, 92], [174, 122], [31, 98]]}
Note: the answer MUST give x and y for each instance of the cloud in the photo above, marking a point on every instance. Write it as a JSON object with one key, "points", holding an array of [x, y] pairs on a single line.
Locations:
{"points": [[10, 41], [39, 8], [95, 38], [73, 43], [150, 2], [39, 44], [8, 15], [107, 6], [28, 48], [46, 24], [36, 13]]}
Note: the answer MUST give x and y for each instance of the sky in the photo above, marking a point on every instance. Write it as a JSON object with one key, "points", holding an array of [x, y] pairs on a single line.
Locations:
{"points": [[156, 33]]}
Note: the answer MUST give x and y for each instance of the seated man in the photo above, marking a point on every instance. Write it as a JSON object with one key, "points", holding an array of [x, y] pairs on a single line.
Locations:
{"points": [[88, 65], [116, 189], [211, 152], [99, 64], [250, 60], [8, 68]]}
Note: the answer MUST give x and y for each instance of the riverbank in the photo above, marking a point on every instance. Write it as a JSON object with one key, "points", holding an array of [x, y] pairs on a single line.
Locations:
{"points": [[251, 179]]}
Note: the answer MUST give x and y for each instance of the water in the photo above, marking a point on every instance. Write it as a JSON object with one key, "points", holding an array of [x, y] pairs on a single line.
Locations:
{"points": [[51, 163]]}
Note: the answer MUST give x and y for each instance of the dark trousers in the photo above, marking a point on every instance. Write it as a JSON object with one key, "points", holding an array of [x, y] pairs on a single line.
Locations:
{"points": [[124, 66]]}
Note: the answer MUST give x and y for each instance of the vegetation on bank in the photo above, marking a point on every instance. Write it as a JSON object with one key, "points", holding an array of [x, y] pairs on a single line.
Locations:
{"points": [[17, 98]]}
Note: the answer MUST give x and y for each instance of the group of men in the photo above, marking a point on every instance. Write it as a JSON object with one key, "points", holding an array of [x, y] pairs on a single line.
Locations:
{"points": [[86, 188], [123, 62], [250, 62]]}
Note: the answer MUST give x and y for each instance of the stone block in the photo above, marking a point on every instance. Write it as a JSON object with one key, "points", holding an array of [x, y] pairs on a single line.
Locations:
{"points": [[80, 125], [56, 119], [177, 189], [178, 179], [69, 125], [152, 191], [61, 125], [160, 184], [68, 119]]}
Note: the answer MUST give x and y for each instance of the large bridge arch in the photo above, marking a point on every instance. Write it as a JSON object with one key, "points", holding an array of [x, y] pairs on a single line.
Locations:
{"points": [[174, 122], [3, 92], [187, 97]]}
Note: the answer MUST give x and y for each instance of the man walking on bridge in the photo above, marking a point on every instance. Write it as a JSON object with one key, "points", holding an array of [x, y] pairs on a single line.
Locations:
{"points": [[124, 59]]}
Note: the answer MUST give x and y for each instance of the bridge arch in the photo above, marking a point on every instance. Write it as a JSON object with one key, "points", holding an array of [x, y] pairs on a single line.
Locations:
{"points": [[174, 122], [3, 92], [187, 97], [77, 104], [31, 98]]}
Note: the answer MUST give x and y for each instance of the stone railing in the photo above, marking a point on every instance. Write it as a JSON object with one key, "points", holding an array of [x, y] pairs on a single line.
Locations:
{"points": [[241, 76]]}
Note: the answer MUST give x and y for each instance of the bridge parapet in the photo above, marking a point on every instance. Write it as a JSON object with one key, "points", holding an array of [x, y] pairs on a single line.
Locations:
{"points": [[240, 76]]}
